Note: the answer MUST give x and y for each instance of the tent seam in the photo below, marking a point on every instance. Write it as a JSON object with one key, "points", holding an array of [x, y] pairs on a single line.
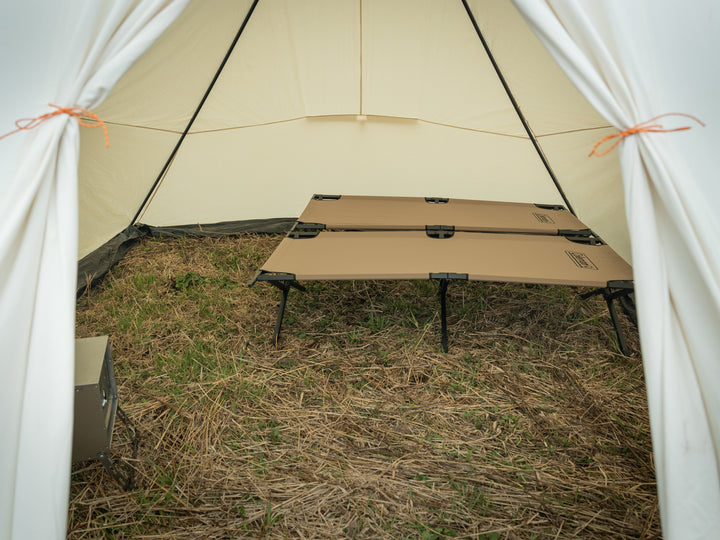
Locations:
{"points": [[442, 124]]}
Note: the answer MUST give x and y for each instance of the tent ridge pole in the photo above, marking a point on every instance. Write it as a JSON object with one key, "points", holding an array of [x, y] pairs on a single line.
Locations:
{"points": [[515, 105], [170, 159]]}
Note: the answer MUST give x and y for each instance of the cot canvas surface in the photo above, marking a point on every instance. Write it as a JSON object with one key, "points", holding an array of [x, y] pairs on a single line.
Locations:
{"points": [[371, 213], [333, 255]]}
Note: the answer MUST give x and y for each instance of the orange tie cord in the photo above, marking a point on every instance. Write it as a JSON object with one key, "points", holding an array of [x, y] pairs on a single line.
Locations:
{"points": [[79, 113], [642, 127]]}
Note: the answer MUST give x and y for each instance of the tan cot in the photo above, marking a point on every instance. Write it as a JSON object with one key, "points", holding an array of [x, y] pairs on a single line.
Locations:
{"points": [[388, 240], [518, 258], [414, 213]]}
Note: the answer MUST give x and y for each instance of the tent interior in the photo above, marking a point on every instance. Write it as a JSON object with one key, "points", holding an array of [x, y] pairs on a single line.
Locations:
{"points": [[411, 98], [232, 118]]}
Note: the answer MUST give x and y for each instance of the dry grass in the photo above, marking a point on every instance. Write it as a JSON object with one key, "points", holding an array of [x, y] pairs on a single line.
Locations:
{"points": [[357, 426]]}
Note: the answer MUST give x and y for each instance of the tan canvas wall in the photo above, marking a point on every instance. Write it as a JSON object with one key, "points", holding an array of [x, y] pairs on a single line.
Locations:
{"points": [[566, 125], [162, 89], [281, 122], [264, 143], [593, 185], [145, 114], [112, 184], [272, 171], [295, 59]]}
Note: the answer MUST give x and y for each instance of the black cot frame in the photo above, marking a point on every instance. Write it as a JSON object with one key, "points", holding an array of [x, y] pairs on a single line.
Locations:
{"points": [[365, 239]]}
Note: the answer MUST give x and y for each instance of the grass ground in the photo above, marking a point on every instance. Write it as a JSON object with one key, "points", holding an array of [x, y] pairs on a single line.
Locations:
{"points": [[533, 426]]}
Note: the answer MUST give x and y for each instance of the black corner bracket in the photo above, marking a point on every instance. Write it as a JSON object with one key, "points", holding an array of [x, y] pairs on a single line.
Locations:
{"points": [[437, 200], [550, 206], [448, 275], [581, 236], [621, 284], [320, 197], [306, 230], [276, 279], [440, 231]]}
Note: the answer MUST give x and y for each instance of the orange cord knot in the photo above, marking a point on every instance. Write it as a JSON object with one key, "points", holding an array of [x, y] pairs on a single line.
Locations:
{"points": [[642, 127], [79, 113]]}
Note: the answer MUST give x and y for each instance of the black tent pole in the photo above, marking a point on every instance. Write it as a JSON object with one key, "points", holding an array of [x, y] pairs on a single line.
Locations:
{"points": [[516, 106], [195, 114]]}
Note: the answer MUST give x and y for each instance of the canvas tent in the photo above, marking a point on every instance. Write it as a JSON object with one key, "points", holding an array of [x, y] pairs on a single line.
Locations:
{"points": [[285, 108], [241, 110]]}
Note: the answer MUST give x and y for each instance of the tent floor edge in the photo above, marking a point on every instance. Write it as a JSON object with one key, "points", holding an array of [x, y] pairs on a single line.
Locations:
{"points": [[94, 266], [223, 228]]}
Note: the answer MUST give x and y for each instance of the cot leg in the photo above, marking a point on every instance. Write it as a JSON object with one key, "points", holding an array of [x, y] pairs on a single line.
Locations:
{"points": [[442, 291], [610, 296], [609, 300], [281, 311]]}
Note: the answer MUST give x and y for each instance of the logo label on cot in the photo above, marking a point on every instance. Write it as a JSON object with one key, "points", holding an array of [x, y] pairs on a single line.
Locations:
{"points": [[543, 218], [581, 260]]}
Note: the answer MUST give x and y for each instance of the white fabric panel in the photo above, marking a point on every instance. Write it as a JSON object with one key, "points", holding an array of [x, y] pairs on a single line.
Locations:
{"points": [[272, 171], [72, 54], [619, 55]]}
